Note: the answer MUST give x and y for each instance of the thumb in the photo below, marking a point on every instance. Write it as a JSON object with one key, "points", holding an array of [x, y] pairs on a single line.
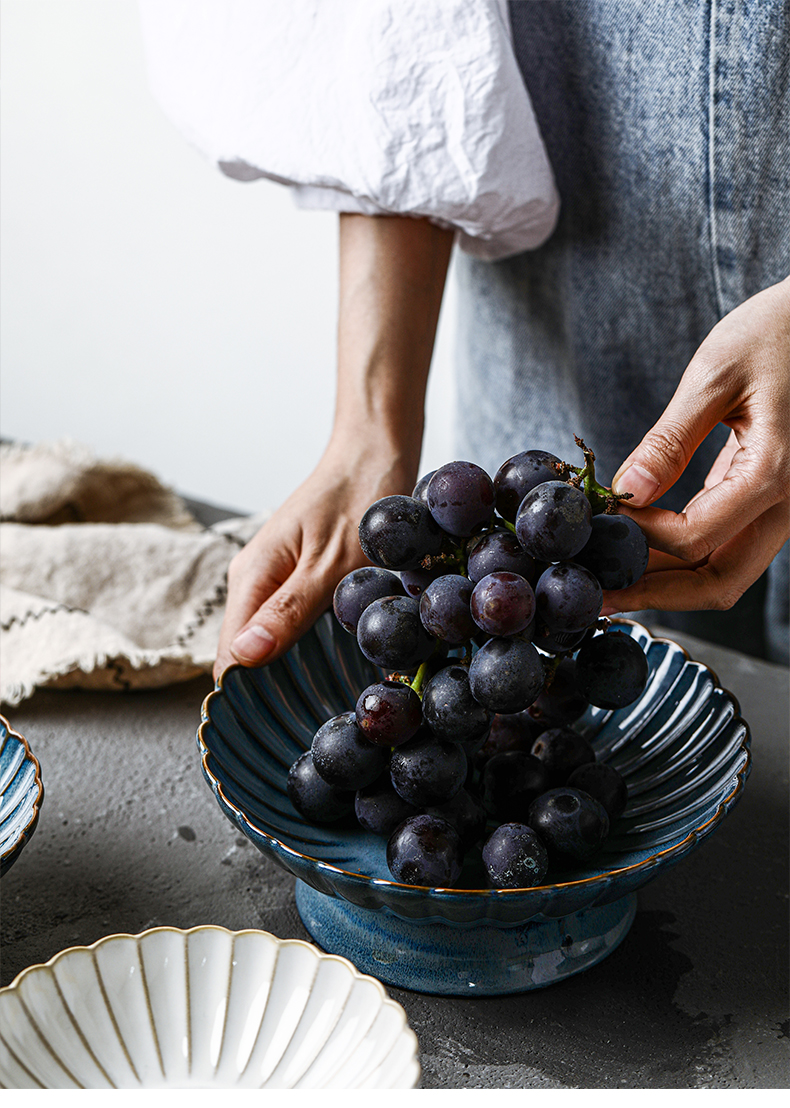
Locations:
{"points": [[665, 451], [285, 616]]}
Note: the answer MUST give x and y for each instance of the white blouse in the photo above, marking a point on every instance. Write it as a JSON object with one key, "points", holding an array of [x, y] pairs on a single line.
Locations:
{"points": [[413, 107]]}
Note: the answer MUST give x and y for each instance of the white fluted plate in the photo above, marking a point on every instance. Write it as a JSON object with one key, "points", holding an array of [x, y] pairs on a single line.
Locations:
{"points": [[202, 1008]]}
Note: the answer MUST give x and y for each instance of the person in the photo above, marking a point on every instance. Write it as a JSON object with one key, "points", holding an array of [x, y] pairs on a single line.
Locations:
{"points": [[647, 312]]}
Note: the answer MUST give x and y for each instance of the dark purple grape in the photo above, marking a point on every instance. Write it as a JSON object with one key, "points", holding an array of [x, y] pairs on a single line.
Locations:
{"points": [[450, 710], [461, 498], [444, 609], [343, 756], [420, 490], [312, 797], [554, 521], [611, 670], [604, 784], [560, 702], [568, 598], [379, 809], [466, 814], [506, 675], [514, 857], [561, 750], [503, 604], [616, 551], [510, 782], [389, 713], [390, 634], [425, 850], [518, 476], [359, 588], [498, 552], [511, 731], [398, 531], [415, 581], [569, 822], [427, 771]]}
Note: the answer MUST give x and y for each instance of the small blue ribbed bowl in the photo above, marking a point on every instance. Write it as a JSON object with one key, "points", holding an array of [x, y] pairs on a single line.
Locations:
{"points": [[21, 794], [682, 748]]}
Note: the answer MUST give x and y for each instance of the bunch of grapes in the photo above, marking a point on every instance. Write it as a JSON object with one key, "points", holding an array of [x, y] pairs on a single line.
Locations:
{"points": [[482, 604]]}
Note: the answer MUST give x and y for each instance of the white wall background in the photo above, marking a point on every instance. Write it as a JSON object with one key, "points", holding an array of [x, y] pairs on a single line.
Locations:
{"points": [[152, 308]]}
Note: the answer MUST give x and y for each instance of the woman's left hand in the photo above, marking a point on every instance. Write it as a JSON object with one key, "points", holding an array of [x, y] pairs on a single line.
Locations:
{"points": [[707, 555]]}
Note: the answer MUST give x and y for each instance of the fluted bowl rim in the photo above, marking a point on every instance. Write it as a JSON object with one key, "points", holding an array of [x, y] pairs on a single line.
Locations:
{"points": [[10, 854], [201, 927], [649, 865]]}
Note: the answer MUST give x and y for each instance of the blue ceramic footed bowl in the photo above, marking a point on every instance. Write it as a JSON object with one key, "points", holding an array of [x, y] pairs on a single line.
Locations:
{"points": [[682, 748], [21, 794]]}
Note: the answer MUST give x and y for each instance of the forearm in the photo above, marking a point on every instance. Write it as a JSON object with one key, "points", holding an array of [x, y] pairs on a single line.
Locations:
{"points": [[392, 276]]}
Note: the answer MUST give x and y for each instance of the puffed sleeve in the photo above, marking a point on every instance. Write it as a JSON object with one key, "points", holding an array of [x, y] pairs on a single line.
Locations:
{"points": [[375, 106]]}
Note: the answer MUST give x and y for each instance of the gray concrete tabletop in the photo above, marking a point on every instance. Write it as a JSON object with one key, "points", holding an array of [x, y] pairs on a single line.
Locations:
{"points": [[130, 837]]}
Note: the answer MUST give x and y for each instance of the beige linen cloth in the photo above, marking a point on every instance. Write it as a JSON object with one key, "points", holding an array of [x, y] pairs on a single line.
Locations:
{"points": [[106, 580]]}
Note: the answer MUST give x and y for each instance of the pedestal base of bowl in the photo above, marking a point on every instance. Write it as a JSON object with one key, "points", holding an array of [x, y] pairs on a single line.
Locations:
{"points": [[433, 956]]}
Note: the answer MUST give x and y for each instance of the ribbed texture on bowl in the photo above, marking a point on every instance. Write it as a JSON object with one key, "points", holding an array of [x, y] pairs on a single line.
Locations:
{"points": [[682, 748], [198, 1009], [21, 794]]}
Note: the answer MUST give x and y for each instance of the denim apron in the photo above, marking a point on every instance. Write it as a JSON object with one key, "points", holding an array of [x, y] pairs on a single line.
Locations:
{"points": [[668, 127]]}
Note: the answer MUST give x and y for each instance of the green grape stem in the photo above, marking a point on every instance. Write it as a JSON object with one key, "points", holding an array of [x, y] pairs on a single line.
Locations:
{"points": [[419, 679], [602, 500]]}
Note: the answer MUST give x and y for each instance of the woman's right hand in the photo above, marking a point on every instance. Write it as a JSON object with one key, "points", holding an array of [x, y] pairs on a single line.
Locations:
{"points": [[285, 577]]}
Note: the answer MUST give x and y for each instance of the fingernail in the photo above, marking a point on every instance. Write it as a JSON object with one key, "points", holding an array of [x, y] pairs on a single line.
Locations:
{"points": [[252, 645], [636, 480], [609, 611]]}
